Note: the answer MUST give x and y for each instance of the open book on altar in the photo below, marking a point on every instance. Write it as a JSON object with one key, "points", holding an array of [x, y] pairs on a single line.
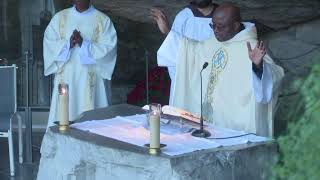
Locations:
{"points": [[173, 111]]}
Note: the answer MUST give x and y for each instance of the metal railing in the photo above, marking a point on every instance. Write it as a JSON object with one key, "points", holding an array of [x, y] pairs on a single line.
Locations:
{"points": [[34, 92], [34, 89]]}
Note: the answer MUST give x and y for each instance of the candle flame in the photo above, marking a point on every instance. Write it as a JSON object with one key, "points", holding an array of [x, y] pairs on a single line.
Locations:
{"points": [[63, 91], [155, 112]]}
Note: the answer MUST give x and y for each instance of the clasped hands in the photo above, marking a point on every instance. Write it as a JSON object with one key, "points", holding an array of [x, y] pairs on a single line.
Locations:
{"points": [[75, 39]]}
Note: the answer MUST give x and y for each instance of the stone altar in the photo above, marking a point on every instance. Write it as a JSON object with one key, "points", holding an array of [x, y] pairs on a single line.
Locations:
{"points": [[80, 155]]}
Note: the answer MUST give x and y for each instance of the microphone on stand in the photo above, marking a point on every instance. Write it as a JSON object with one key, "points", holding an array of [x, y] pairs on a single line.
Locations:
{"points": [[201, 132]]}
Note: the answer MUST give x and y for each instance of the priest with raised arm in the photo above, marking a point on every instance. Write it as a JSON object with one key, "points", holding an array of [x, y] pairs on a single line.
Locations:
{"points": [[241, 82], [191, 22], [80, 50]]}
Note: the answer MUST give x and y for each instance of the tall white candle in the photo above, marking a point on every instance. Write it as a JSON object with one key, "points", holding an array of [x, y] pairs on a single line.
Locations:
{"points": [[154, 121], [63, 105]]}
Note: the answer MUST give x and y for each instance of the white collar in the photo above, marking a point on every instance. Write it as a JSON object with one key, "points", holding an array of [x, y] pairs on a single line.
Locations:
{"points": [[86, 12]]}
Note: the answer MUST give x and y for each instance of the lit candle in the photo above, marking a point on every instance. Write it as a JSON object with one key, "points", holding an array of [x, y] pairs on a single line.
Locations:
{"points": [[63, 105], [154, 121]]}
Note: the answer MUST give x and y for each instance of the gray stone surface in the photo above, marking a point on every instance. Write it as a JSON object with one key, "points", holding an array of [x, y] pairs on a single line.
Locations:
{"points": [[10, 37], [120, 92], [134, 39], [296, 49], [84, 156], [273, 13], [308, 32]]}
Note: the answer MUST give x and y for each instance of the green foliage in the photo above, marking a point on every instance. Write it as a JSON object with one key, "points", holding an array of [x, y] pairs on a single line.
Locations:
{"points": [[300, 148]]}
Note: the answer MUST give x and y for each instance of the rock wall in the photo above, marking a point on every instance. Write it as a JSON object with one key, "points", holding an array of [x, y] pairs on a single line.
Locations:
{"points": [[276, 14], [10, 37], [137, 42], [296, 49]]}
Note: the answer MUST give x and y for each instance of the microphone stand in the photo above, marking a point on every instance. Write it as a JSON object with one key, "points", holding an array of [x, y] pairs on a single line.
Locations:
{"points": [[201, 132], [147, 75]]}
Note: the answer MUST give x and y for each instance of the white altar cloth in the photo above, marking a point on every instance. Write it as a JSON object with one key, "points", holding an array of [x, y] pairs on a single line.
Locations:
{"points": [[177, 137]]}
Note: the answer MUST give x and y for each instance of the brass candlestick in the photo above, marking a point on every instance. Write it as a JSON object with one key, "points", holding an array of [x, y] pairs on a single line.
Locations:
{"points": [[63, 128], [155, 151]]}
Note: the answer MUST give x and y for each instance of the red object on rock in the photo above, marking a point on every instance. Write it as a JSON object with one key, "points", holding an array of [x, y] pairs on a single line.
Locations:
{"points": [[159, 88]]}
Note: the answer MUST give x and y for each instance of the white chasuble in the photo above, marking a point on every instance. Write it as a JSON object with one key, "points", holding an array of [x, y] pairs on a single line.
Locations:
{"points": [[185, 25], [82, 68], [233, 97]]}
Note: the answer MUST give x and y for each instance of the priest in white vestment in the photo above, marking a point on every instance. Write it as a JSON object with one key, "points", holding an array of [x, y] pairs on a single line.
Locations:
{"points": [[240, 85], [192, 22], [80, 50]]}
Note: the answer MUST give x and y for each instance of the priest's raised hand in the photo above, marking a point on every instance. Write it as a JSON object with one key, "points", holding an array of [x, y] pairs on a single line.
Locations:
{"points": [[160, 18], [256, 55]]}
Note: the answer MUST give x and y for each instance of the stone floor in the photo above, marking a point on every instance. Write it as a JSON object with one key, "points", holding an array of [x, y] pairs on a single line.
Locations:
{"points": [[25, 171]]}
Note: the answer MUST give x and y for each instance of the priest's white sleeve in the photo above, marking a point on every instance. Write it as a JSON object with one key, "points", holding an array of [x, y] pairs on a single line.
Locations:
{"points": [[168, 51], [55, 48], [65, 53], [85, 56], [185, 25], [102, 52], [191, 27], [265, 87], [167, 57]]}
